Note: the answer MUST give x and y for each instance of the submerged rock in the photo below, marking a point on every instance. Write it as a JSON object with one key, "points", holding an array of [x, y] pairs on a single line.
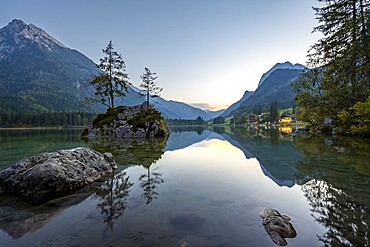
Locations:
{"points": [[49, 175], [138, 121], [193, 241], [277, 226], [187, 222]]}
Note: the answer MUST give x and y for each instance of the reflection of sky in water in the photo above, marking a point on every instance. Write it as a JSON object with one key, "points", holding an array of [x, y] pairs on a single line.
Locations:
{"points": [[206, 182]]}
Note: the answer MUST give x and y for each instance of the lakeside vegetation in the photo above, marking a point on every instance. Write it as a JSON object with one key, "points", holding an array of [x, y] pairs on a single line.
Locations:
{"points": [[45, 119], [334, 92]]}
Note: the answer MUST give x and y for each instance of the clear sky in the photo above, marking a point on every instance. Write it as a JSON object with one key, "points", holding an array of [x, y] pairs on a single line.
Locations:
{"points": [[205, 52]]}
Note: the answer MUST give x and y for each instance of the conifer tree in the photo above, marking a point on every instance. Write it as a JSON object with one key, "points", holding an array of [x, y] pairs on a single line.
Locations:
{"points": [[343, 51], [340, 61], [149, 85], [112, 81]]}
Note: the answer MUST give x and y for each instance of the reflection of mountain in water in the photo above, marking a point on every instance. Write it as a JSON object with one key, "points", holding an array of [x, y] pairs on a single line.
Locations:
{"points": [[183, 137], [276, 155]]}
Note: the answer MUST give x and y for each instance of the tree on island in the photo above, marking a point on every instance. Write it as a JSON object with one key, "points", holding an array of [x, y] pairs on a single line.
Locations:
{"points": [[112, 81], [340, 62], [149, 85]]}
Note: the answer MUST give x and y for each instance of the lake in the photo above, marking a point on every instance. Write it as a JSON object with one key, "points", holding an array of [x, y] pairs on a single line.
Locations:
{"points": [[199, 187]]}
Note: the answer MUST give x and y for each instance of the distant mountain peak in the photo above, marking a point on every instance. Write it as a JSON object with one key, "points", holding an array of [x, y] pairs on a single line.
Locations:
{"points": [[286, 65], [19, 33]]}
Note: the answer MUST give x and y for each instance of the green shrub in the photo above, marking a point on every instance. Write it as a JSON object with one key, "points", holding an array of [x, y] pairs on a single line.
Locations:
{"points": [[355, 120]]}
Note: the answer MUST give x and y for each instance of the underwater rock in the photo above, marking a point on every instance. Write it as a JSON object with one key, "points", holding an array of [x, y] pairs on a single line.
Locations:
{"points": [[193, 241], [187, 222], [49, 175], [277, 226]]}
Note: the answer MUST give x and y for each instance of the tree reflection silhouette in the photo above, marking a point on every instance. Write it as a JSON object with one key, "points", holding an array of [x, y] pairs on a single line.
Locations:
{"points": [[112, 196], [337, 211], [149, 183], [141, 152]]}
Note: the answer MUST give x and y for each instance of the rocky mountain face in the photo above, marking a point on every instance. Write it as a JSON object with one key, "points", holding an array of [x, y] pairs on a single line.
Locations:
{"points": [[234, 106], [286, 65], [274, 85], [38, 73]]}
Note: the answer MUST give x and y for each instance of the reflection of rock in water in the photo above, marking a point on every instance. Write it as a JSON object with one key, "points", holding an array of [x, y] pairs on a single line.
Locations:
{"points": [[130, 151], [278, 226], [18, 218], [188, 222], [347, 222]]}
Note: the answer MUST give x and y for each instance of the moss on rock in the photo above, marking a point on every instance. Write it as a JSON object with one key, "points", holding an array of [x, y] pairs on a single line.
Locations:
{"points": [[121, 122]]}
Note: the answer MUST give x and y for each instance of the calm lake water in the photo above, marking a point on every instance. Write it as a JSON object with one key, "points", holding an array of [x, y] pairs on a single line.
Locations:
{"points": [[201, 187]]}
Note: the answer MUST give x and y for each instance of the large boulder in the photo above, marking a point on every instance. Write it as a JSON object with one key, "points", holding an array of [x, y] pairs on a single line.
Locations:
{"points": [[49, 175], [138, 121], [278, 226]]}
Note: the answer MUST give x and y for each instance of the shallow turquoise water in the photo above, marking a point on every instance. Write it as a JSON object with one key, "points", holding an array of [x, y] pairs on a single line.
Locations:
{"points": [[201, 187]]}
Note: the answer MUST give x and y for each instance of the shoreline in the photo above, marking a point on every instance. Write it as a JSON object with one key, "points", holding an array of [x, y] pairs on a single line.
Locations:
{"points": [[41, 128]]}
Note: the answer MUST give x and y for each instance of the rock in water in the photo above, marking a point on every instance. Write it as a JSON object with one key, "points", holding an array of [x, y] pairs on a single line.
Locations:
{"points": [[49, 175], [138, 121], [188, 222], [277, 226]]}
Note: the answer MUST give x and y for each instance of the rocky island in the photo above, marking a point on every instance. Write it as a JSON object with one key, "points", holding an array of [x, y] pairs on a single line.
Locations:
{"points": [[138, 121]]}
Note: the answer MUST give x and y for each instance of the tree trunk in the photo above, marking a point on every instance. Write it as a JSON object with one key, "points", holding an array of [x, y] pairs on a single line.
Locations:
{"points": [[147, 98]]}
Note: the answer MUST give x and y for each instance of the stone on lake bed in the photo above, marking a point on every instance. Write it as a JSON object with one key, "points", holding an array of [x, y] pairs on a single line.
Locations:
{"points": [[49, 175], [277, 225], [187, 222]]}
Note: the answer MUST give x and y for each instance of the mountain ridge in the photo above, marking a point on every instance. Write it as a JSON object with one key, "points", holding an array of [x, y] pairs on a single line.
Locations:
{"points": [[273, 85], [286, 65], [39, 74]]}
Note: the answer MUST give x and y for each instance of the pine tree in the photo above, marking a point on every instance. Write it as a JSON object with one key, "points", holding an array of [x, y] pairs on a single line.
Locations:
{"points": [[343, 51], [149, 85], [274, 112], [112, 81], [339, 62]]}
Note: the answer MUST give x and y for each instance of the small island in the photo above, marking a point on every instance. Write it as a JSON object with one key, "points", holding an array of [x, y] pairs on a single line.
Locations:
{"points": [[141, 121]]}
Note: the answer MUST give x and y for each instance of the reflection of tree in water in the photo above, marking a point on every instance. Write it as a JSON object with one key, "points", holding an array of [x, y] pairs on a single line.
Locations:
{"points": [[340, 195], [219, 129], [112, 196], [182, 129], [274, 138], [149, 183], [136, 152], [346, 222]]}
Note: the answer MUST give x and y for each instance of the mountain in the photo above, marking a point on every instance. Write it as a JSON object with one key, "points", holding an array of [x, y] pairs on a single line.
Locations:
{"points": [[286, 65], [234, 106], [38, 73], [277, 86], [215, 114], [273, 85]]}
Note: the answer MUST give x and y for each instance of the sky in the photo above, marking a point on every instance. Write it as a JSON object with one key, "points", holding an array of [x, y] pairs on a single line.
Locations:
{"points": [[205, 52]]}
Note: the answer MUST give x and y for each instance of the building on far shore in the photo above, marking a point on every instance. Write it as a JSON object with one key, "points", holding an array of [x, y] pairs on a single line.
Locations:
{"points": [[286, 118]]}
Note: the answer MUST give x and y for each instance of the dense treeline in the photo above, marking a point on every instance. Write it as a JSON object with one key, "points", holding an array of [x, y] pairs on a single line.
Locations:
{"points": [[46, 119], [331, 93], [175, 122]]}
